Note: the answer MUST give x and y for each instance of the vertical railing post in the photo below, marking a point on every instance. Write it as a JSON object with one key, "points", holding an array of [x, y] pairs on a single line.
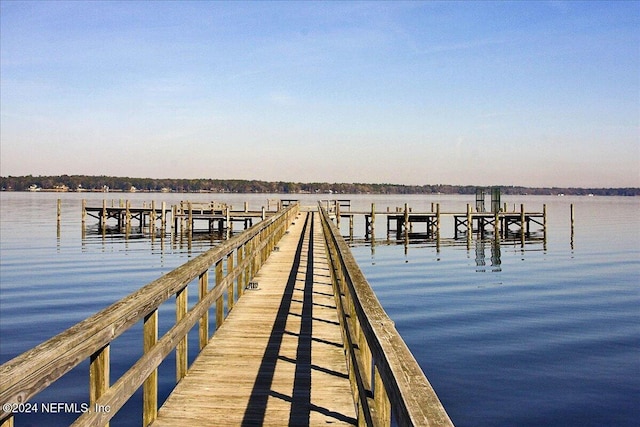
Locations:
{"points": [[220, 300], [150, 386], [381, 400], [203, 288], [181, 348], [241, 273], [231, 287], [98, 375], [7, 422]]}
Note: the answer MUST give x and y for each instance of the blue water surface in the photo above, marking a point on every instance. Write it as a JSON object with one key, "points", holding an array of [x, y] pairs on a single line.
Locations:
{"points": [[545, 333]]}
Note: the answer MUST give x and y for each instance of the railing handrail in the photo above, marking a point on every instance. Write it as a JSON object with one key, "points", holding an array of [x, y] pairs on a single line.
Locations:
{"points": [[29, 373], [373, 343]]}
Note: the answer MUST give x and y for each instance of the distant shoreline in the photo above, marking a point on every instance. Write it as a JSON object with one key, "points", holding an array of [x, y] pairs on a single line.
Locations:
{"points": [[88, 183]]}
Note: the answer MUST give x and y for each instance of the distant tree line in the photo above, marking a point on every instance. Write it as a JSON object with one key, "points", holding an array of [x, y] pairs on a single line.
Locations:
{"points": [[97, 183]]}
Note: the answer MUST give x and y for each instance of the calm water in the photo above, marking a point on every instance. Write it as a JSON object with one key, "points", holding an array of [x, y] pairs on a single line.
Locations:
{"points": [[508, 335]]}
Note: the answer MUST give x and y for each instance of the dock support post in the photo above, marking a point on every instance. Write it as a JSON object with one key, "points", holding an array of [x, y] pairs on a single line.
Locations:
{"points": [[522, 225], [263, 214], [103, 217], [190, 219], [351, 227], [438, 220], [174, 215], [373, 220], [572, 224], [337, 214], [127, 216], [544, 223], [152, 218], [83, 231], [59, 217], [572, 218], [469, 235], [406, 222], [163, 217]]}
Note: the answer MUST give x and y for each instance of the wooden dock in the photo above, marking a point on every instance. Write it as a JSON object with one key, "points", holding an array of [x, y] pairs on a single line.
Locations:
{"points": [[300, 340], [184, 216], [278, 359], [400, 221]]}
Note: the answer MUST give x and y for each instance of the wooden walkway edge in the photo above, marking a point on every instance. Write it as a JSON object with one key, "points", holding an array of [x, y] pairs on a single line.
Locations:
{"points": [[278, 359]]}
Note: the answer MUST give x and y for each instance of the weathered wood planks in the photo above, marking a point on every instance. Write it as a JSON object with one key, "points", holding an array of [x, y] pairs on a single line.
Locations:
{"points": [[278, 359]]}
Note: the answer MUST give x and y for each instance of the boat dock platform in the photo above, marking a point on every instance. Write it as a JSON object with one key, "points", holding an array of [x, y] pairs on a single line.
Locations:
{"points": [[401, 221]]}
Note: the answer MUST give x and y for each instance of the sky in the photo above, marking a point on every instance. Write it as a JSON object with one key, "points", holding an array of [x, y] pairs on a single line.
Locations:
{"points": [[463, 93]]}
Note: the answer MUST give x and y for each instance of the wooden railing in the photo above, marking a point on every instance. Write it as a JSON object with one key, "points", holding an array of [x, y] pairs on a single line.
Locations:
{"points": [[26, 375], [385, 377]]}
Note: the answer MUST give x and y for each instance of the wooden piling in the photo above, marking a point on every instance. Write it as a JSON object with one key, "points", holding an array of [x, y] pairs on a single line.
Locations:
{"points": [[351, 226], [103, 219], [127, 216], [406, 220], [163, 217], [152, 218], [572, 217], [522, 225], [373, 219]]}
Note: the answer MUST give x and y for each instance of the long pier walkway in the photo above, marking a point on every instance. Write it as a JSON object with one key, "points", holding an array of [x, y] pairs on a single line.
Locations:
{"points": [[278, 359]]}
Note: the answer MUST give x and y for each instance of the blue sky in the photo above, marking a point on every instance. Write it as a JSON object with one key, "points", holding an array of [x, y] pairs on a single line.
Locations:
{"points": [[479, 93]]}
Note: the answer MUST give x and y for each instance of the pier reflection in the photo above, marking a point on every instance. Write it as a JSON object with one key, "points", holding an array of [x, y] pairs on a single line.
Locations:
{"points": [[487, 250], [158, 240]]}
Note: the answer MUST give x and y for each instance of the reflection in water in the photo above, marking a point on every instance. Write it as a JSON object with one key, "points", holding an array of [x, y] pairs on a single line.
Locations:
{"points": [[495, 255]]}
